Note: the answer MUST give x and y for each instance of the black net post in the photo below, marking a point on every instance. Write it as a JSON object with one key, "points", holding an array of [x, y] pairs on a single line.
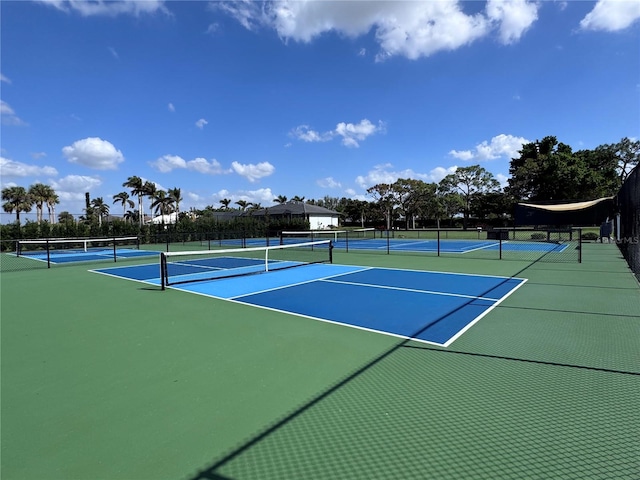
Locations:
{"points": [[163, 264], [579, 245], [115, 250], [48, 255], [438, 242]]}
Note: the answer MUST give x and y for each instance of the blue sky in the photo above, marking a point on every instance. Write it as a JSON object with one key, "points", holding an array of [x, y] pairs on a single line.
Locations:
{"points": [[248, 100]]}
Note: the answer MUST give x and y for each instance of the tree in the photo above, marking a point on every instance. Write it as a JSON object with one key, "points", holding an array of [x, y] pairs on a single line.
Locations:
{"points": [[40, 194], [176, 196], [628, 156], [66, 218], [297, 199], [243, 204], [162, 203], [137, 189], [99, 208], [281, 199], [51, 201], [550, 171], [412, 197], [16, 199], [225, 203], [469, 182], [124, 200], [382, 193]]}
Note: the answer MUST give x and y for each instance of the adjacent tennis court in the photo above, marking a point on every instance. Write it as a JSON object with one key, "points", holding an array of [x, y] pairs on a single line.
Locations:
{"points": [[431, 307], [72, 250]]}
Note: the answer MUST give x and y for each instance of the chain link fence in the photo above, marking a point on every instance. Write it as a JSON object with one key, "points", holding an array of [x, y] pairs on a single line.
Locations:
{"points": [[629, 209]]}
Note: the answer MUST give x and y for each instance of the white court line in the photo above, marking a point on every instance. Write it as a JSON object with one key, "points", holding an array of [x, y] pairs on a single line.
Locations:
{"points": [[294, 284], [404, 289], [479, 317]]}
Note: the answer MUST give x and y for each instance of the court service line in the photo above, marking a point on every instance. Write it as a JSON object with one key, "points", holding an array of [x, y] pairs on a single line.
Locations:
{"points": [[403, 289], [295, 284]]}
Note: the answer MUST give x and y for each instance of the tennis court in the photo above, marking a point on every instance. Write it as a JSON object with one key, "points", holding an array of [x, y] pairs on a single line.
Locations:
{"points": [[431, 307], [324, 371]]}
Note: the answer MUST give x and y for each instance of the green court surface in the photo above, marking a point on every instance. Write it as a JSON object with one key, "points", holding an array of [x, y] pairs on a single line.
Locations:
{"points": [[108, 379]]}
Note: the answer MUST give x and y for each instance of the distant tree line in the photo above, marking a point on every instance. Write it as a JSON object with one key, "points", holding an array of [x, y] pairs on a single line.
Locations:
{"points": [[545, 171]]}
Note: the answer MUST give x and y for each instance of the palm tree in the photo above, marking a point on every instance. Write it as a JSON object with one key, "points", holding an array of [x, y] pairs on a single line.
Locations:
{"points": [[123, 198], [65, 217], [17, 199], [39, 193], [52, 200], [100, 208], [281, 199], [225, 203], [137, 189], [162, 203], [149, 190], [176, 196], [131, 215], [242, 204], [297, 199]]}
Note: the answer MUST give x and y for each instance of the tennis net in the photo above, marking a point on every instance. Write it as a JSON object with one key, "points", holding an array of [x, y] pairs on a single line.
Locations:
{"points": [[336, 236], [54, 246], [197, 266]]}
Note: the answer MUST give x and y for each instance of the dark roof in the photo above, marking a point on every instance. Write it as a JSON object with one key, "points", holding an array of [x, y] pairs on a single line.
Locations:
{"points": [[295, 208]]}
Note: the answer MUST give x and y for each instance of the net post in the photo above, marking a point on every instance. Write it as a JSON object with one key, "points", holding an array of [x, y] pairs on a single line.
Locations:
{"points": [[500, 243], [388, 242], [163, 268], [438, 242], [48, 255], [579, 245], [331, 251], [138, 242], [346, 240], [115, 254]]}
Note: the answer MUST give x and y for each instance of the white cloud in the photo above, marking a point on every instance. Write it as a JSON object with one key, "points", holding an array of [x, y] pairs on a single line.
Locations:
{"points": [[513, 17], [73, 187], [328, 182], [304, 133], [93, 152], [263, 196], [108, 7], [411, 29], [4, 79], [500, 146], [611, 15], [9, 117], [167, 163], [201, 123], [11, 168], [351, 133], [114, 53], [171, 107], [253, 172], [386, 174]]}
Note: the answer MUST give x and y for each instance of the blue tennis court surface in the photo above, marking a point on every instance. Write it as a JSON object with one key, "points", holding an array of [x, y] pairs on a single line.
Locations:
{"points": [[63, 256], [430, 307]]}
